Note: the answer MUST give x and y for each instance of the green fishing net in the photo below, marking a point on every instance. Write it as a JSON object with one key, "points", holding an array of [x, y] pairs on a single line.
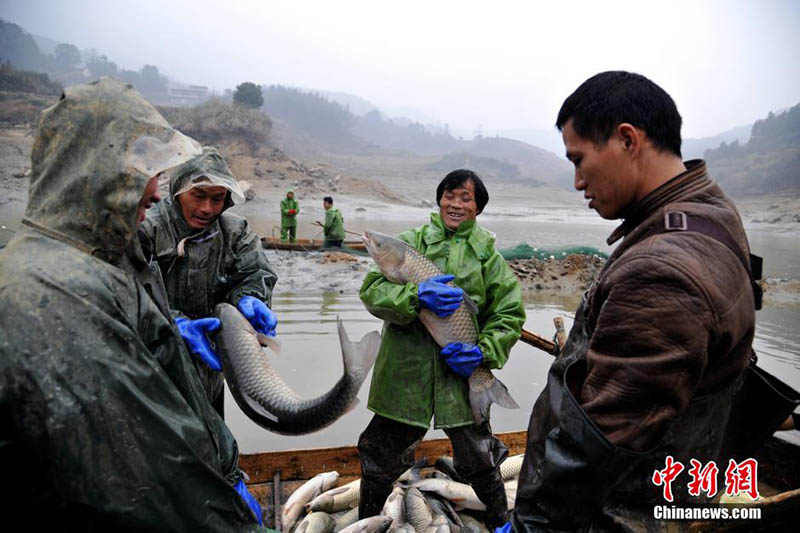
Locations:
{"points": [[526, 251]]}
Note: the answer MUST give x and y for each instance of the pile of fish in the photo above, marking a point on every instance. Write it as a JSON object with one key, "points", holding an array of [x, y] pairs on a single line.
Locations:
{"points": [[424, 500]]}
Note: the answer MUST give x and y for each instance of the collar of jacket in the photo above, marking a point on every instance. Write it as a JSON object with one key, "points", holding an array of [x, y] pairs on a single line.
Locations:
{"points": [[692, 179], [480, 239]]}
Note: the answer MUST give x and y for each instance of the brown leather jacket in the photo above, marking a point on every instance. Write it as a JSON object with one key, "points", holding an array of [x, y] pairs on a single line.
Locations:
{"points": [[672, 314], [659, 345]]}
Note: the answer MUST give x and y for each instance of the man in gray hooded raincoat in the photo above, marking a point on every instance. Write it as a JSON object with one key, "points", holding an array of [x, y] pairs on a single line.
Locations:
{"points": [[208, 256], [104, 424]]}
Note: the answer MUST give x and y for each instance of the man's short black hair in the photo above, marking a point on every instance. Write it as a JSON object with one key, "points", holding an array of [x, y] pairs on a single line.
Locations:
{"points": [[328, 199], [608, 99], [459, 177]]}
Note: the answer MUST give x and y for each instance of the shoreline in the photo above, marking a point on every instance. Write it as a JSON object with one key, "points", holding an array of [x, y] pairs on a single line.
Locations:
{"points": [[542, 281]]}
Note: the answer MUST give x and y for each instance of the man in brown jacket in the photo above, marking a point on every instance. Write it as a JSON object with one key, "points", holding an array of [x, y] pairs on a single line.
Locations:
{"points": [[663, 336]]}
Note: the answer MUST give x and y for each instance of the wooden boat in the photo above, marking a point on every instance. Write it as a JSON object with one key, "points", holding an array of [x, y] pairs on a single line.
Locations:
{"points": [[307, 245], [274, 476]]}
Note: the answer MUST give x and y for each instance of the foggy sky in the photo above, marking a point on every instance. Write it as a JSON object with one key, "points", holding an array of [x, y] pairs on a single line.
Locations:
{"points": [[497, 65]]}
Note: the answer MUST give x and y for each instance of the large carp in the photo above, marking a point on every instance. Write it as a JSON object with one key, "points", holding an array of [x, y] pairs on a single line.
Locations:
{"points": [[401, 263], [264, 397]]}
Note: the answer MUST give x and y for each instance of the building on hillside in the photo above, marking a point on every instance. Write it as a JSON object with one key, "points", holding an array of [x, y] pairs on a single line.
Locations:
{"points": [[186, 95]]}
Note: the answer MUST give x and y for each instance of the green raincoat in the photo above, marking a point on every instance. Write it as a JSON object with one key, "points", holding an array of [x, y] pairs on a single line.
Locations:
{"points": [[203, 268], [287, 220], [103, 422], [334, 225], [410, 381]]}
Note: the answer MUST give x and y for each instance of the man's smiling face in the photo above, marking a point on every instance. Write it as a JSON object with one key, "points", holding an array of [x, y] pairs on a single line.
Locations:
{"points": [[458, 205]]}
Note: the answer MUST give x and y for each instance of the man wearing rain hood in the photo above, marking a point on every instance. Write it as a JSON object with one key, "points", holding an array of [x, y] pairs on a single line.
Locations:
{"points": [[104, 424], [208, 256], [289, 209]]}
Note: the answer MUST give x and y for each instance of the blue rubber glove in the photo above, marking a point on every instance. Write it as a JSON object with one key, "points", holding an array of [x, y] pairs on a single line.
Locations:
{"points": [[505, 528], [194, 333], [250, 500], [439, 297], [462, 358], [258, 314]]}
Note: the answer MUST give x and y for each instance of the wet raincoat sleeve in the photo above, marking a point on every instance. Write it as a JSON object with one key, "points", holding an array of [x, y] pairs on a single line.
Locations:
{"points": [[251, 274], [393, 302], [502, 319]]}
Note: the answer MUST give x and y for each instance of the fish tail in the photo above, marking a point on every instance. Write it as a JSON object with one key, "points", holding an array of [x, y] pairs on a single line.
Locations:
{"points": [[358, 356], [482, 401]]}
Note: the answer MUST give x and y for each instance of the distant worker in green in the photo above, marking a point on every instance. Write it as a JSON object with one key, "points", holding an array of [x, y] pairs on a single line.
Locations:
{"points": [[289, 210], [333, 229]]}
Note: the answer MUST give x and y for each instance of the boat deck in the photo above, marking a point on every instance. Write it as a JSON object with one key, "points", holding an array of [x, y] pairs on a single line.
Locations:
{"points": [[778, 478]]}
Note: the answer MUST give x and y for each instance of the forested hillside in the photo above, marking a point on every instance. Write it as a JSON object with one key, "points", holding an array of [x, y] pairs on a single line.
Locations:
{"points": [[768, 163]]}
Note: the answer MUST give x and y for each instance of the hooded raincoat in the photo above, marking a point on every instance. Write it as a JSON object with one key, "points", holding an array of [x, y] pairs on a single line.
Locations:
{"points": [[103, 422], [289, 220], [202, 268], [410, 381], [333, 229]]}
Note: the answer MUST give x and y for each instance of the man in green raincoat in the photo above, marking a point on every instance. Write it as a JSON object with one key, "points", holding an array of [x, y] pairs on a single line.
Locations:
{"points": [[104, 424], [208, 256], [414, 379], [333, 229], [289, 210]]}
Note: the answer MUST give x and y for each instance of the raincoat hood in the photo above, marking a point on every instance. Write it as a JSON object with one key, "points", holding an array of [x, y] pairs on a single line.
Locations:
{"points": [[94, 153], [206, 170]]}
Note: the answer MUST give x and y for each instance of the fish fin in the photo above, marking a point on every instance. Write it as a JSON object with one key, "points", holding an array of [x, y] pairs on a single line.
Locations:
{"points": [[470, 304], [259, 409], [481, 401], [358, 357], [270, 342], [452, 512], [445, 465], [416, 474]]}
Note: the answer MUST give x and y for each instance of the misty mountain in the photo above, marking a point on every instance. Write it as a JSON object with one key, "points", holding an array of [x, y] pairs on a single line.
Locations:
{"points": [[532, 163], [692, 148], [410, 114], [548, 139], [769, 162], [356, 104], [68, 65], [45, 44], [400, 116]]}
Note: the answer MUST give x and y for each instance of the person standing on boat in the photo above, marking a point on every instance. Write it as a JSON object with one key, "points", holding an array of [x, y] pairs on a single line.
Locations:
{"points": [[289, 210], [104, 424], [414, 379], [662, 337], [333, 229], [208, 256]]}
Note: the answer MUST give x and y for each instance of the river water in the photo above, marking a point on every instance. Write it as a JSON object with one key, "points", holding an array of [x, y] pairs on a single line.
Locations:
{"points": [[310, 359]]}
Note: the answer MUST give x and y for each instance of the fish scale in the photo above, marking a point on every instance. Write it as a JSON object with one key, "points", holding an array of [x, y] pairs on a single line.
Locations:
{"points": [[401, 263]]}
